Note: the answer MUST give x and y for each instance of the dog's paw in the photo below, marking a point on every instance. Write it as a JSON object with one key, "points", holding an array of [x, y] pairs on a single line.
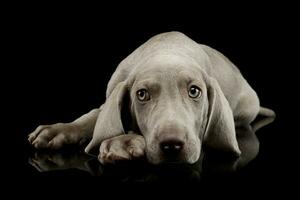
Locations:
{"points": [[55, 136], [122, 148]]}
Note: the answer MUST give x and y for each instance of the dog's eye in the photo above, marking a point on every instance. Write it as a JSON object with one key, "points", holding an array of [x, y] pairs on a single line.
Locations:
{"points": [[143, 95], [194, 92]]}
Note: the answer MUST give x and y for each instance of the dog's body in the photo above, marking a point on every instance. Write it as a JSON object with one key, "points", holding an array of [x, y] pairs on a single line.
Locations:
{"points": [[181, 95]]}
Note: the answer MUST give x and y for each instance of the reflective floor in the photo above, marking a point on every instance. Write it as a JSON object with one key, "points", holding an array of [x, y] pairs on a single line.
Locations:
{"points": [[75, 161]]}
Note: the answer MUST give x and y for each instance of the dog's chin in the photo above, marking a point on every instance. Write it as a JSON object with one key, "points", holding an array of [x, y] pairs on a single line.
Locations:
{"points": [[157, 159]]}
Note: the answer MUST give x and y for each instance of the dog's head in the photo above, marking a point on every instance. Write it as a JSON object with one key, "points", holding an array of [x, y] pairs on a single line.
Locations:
{"points": [[177, 108]]}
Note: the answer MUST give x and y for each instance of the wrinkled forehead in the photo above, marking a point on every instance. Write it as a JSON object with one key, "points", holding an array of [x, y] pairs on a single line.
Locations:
{"points": [[165, 60], [168, 68]]}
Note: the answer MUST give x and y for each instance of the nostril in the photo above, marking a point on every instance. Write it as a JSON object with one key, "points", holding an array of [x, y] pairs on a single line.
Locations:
{"points": [[171, 147], [177, 147]]}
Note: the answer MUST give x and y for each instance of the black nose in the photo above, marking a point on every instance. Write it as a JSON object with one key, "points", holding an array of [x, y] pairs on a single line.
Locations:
{"points": [[171, 147]]}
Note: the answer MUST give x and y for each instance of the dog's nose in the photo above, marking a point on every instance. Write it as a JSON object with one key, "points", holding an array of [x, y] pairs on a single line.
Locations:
{"points": [[171, 147]]}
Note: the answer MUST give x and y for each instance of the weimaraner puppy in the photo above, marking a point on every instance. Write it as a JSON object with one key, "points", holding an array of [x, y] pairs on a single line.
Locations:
{"points": [[179, 97]]}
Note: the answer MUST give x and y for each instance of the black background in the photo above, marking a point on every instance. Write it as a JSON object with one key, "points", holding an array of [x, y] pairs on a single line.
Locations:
{"points": [[61, 58]]}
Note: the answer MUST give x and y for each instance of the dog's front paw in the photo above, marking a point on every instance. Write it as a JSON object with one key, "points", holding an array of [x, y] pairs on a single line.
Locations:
{"points": [[55, 136], [122, 148]]}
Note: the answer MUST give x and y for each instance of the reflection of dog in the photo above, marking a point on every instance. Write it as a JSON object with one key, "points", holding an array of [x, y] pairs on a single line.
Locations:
{"points": [[180, 95], [208, 164]]}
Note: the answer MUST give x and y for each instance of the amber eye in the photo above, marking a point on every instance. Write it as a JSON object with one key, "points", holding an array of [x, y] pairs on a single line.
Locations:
{"points": [[194, 92], [143, 95]]}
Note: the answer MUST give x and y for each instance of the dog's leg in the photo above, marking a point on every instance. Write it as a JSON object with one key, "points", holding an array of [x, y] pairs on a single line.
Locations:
{"points": [[130, 146], [57, 135]]}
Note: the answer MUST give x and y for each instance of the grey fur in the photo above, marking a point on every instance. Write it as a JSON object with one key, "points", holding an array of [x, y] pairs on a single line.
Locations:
{"points": [[167, 65]]}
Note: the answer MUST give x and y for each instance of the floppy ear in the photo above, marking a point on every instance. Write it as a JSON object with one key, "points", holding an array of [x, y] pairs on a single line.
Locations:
{"points": [[220, 129], [109, 123]]}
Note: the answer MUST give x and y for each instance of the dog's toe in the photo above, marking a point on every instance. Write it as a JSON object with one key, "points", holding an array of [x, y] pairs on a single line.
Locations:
{"points": [[135, 152], [55, 136]]}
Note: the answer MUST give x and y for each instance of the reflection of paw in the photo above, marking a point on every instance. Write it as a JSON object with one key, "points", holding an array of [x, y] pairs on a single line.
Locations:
{"points": [[46, 162], [50, 161], [122, 148], [55, 136]]}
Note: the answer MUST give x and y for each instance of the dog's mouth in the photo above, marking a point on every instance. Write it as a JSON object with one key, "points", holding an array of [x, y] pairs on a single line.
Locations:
{"points": [[160, 158], [172, 158], [172, 162]]}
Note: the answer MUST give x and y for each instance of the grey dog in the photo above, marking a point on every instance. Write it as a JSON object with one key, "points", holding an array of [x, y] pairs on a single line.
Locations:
{"points": [[180, 97]]}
